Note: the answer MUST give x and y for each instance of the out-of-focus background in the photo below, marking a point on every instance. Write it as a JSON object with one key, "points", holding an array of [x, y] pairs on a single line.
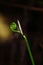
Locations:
{"points": [[13, 50]]}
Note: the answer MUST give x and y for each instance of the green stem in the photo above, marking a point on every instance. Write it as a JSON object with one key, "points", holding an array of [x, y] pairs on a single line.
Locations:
{"points": [[29, 50]]}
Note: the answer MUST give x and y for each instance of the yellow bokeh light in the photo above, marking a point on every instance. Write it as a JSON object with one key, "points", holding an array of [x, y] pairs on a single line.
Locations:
{"points": [[5, 32]]}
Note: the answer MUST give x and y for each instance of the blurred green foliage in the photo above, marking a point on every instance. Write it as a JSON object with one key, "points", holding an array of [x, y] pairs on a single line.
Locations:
{"points": [[39, 2]]}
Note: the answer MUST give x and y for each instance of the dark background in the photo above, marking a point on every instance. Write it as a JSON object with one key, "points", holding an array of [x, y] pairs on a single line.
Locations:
{"points": [[30, 15]]}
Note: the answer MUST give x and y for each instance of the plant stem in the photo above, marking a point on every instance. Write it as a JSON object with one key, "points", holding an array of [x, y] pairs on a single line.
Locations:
{"points": [[29, 50]]}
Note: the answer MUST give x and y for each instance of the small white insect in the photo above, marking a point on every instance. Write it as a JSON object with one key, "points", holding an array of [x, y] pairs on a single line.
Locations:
{"points": [[20, 27]]}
